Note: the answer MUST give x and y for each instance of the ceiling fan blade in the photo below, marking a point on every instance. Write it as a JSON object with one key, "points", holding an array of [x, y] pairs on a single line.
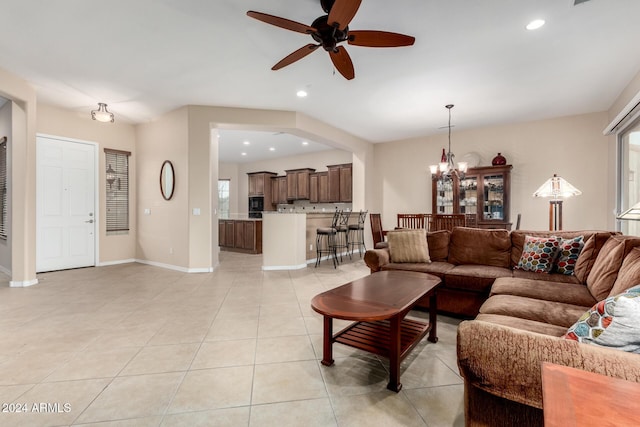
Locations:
{"points": [[295, 56], [281, 22], [379, 39], [342, 12], [342, 62]]}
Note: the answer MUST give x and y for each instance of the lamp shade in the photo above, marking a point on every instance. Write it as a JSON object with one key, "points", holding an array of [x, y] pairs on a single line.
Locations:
{"points": [[557, 188], [632, 214]]}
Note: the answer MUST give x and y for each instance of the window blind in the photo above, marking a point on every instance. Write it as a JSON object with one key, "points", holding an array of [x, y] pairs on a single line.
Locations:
{"points": [[3, 188], [117, 200]]}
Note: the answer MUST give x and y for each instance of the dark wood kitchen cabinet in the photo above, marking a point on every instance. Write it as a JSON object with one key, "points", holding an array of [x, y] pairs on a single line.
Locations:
{"points": [[279, 190], [238, 235], [319, 187], [340, 182], [260, 185], [298, 187]]}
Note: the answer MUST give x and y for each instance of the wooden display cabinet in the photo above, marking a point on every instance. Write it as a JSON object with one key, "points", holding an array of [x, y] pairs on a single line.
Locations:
{"points": [[484, 193]]}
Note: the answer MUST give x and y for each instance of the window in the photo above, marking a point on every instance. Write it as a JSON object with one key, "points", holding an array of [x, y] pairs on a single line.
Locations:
{"points": [[4, 209], [223, 197], [117, 200]]}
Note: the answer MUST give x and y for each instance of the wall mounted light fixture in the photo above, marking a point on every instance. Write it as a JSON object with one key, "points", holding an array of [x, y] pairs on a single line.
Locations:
{"points": [[111, 176]]}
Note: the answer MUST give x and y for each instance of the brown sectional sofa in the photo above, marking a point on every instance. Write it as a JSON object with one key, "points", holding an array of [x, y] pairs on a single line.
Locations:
{"points": [[469, 260], [520, 317]]}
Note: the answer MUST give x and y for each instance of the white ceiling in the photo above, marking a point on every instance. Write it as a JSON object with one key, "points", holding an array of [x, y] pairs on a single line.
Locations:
{"points": [[146, 57], [262, 145]]}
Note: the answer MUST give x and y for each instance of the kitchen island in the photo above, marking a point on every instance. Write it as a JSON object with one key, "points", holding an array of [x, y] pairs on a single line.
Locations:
{"points": [[240, 235]]}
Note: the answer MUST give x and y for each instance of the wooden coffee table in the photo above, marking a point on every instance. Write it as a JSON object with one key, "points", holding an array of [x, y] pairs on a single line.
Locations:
{"points": [[379, 303]]}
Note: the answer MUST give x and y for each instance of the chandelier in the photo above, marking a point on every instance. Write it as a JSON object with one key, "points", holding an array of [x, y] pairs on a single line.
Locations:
{"points": [[446, 169]]}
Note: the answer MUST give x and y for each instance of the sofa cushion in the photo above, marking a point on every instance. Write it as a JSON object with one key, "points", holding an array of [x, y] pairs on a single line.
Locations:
{"points": [[478, 246], [477, 278], [524, 324], [629, 273], [568, 254], [552, 277], [568, 293], [438, 244], [538, 254], [613, 322], [587, 258], [608, 262], [554, 313], [517, 239], [437, 268], [408, 246]]}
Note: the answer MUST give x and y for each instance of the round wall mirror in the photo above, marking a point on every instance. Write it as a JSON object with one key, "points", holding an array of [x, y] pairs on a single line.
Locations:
{"points": [[167, 180]]}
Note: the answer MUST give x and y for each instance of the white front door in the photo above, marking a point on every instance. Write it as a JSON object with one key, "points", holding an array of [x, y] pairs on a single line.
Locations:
{"points": [[65, 206]]}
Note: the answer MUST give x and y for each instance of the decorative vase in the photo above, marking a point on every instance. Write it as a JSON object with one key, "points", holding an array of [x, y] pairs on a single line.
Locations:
{"points": [[499, 160]]}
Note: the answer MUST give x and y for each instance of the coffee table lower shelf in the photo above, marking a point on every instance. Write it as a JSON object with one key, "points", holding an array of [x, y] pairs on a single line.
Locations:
{"points": [[375, 337]]}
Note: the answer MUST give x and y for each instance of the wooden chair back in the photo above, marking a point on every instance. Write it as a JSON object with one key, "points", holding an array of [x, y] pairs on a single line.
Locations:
{"points": [[429, 221], [376, 228], [410, 220], [472, 220], [449, 221]]}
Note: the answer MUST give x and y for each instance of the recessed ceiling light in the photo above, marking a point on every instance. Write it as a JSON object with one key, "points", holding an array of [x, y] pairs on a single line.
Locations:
{"points": [[243, 154], [305, 143], [246, 143], [272, 149], [301, 93], [535, 24]]}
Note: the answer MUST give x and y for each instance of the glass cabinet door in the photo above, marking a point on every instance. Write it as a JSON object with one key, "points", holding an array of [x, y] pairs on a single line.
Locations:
{"points": [[493, 197], [469, 195], [444, 201]]}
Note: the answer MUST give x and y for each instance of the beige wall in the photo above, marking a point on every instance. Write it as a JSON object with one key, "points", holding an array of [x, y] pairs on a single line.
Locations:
{"points": [[572, 147], [163, 235], [23, 126], [118, 136]]}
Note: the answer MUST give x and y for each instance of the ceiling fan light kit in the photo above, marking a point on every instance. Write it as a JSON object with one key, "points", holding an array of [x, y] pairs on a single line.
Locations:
{"points": [[329, 31]]}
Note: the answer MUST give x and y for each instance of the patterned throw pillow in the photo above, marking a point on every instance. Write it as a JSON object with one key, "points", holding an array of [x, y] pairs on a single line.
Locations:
{"points": [[568, 254], [408, 246], [613, 322], [538, 254]]}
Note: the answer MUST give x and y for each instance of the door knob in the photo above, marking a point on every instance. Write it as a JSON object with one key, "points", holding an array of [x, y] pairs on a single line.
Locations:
{"points": [[90, 221]]}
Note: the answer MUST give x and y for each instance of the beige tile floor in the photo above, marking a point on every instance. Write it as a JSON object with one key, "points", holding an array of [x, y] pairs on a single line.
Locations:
{"points": [[136, 345]]}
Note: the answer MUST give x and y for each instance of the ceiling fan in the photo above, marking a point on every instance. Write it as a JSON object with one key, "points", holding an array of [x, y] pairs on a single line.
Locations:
{"points": [[330, 30]]}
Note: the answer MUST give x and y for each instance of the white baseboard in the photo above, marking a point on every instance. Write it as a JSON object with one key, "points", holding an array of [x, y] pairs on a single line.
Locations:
{"points": [[175, 267], [121, 261], [284, 267], [23, 284]]}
